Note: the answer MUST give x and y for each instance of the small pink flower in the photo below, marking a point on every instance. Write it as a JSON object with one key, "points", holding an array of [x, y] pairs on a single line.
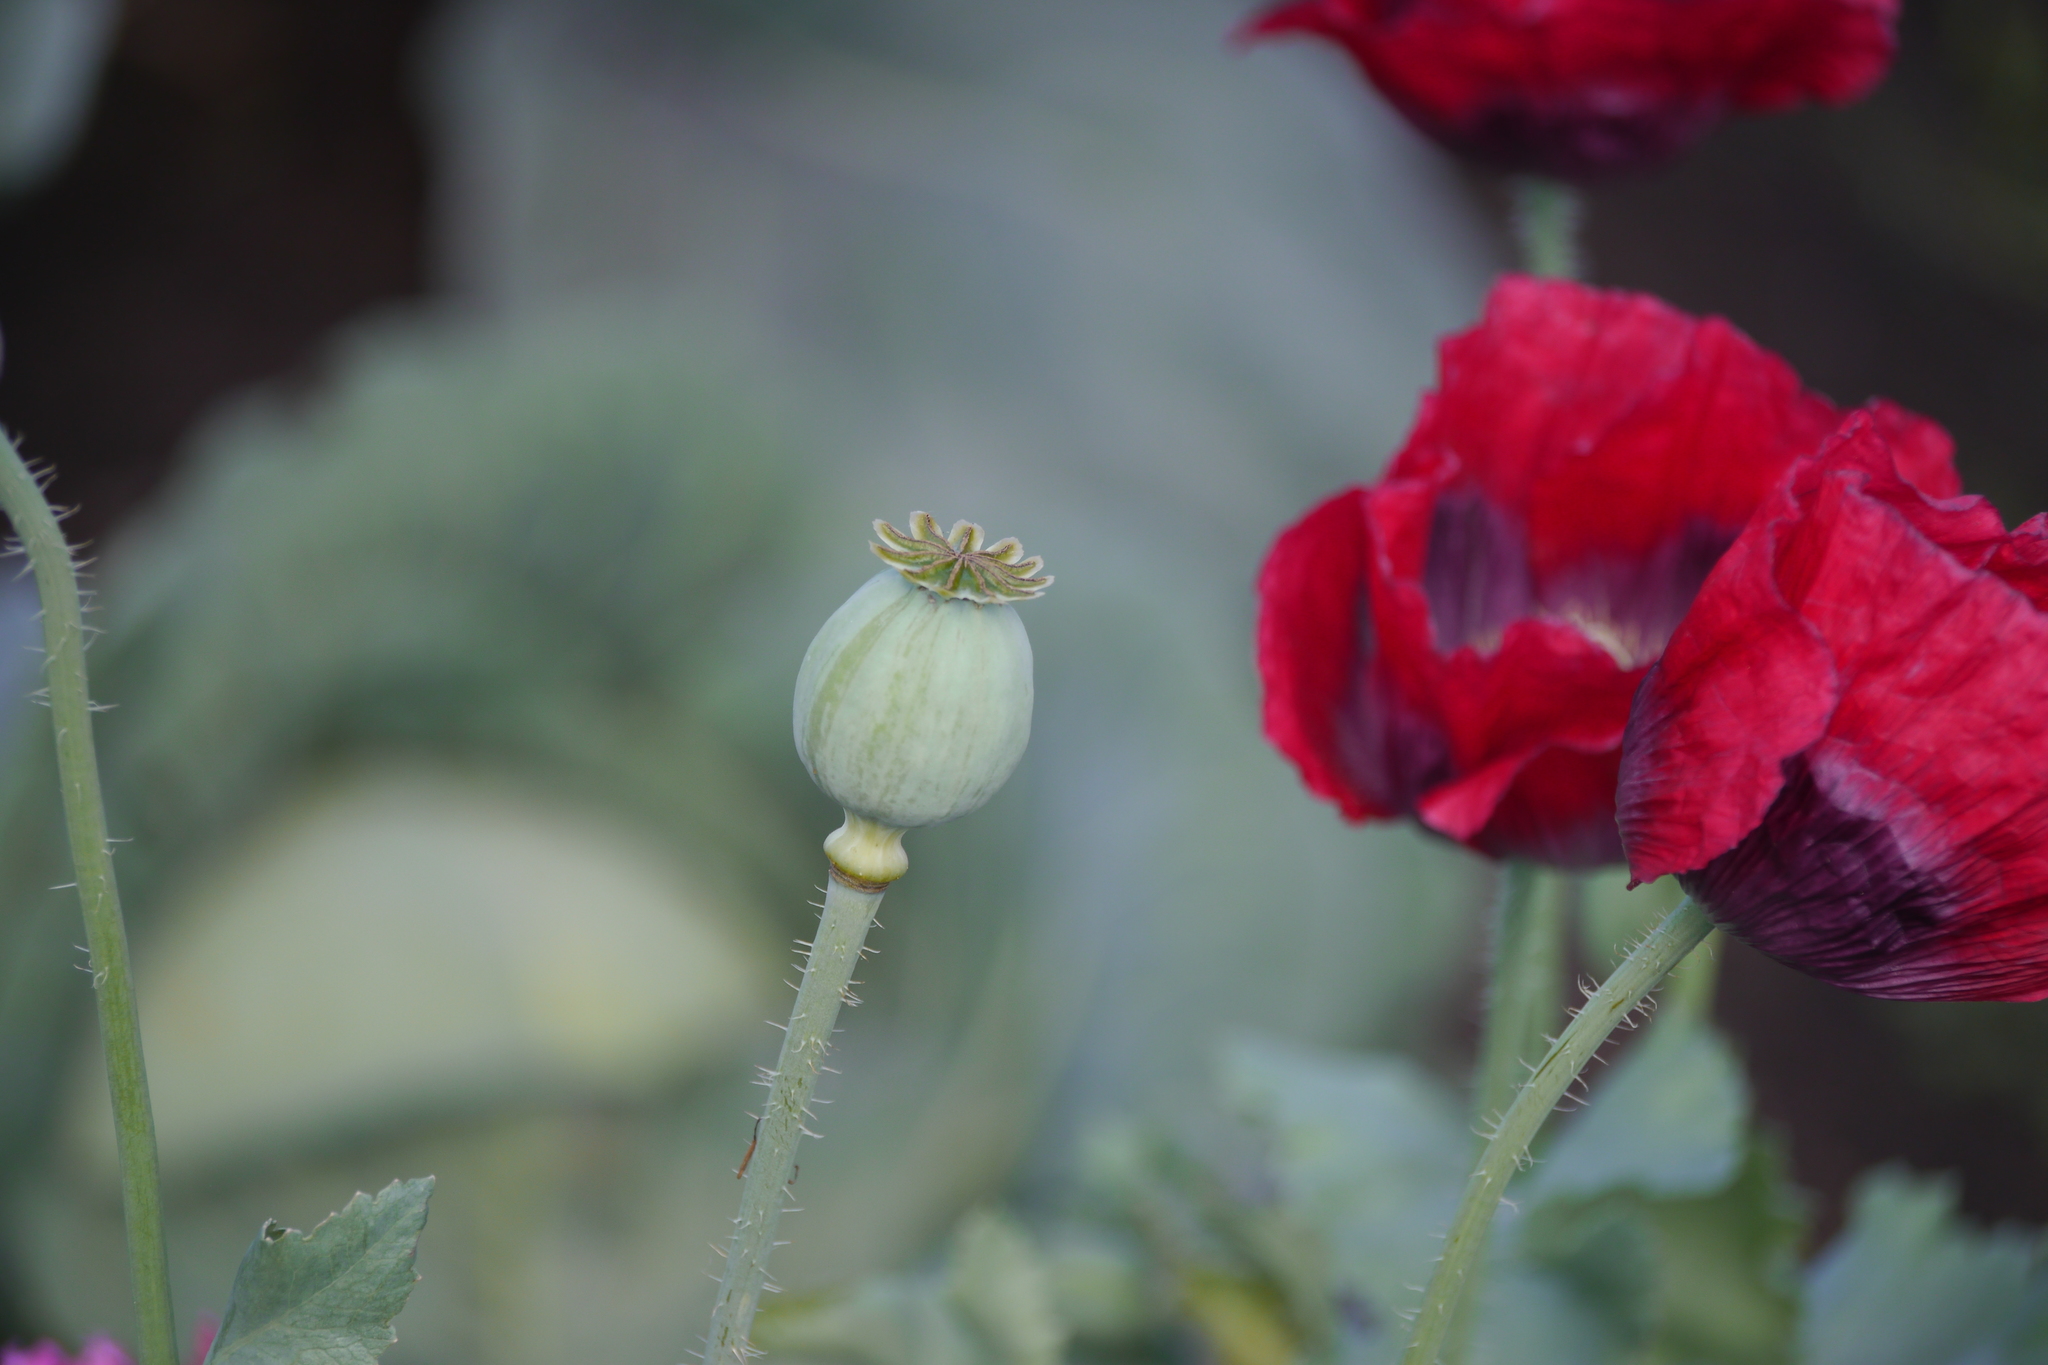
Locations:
{"points": [[96, 1351]]}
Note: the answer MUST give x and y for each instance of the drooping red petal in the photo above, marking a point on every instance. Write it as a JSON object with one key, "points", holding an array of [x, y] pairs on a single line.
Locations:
{"points": [[1841, 749]]}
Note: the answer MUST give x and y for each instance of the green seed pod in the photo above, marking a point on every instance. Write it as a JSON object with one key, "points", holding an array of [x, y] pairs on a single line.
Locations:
{"points": [[913, 704]]}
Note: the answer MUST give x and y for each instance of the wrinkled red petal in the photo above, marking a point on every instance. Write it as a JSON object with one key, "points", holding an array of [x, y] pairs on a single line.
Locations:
{"points": [[2023, 560], [1609, 421], [1582, 88], [1462, 641], [1842, 747]]}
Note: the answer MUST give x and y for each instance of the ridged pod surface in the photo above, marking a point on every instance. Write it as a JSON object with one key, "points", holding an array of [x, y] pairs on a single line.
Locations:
{"points": [[913, 704]]}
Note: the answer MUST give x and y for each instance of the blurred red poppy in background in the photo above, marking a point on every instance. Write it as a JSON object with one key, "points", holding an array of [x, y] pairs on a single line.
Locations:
{"points": [[1842, 751], [1460, 642], [1585, 88]]}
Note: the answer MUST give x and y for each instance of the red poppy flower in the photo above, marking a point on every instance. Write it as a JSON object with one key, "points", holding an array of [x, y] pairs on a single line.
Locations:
{"points": [[1842, 752], [1583, 88], [1460, 641]]}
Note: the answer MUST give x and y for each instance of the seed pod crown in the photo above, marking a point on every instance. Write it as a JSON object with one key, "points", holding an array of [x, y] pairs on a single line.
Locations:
{"points": [[957, 565]]}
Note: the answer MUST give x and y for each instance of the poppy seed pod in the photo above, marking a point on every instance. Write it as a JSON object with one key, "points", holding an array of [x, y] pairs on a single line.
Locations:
{"points": [[913, 705]]}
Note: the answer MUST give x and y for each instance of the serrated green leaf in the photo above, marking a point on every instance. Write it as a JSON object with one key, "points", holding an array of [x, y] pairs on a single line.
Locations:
{"points": [[1667, 1122], [1907, 1283], [326, 1297]]}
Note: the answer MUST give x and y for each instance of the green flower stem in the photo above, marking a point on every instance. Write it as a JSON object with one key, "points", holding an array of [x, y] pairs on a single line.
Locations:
{"points": [[106, 937], [1524, 1001], [1547, 215], [1690, 992], [1679, 933], [1526, 996], [772, 1159]]}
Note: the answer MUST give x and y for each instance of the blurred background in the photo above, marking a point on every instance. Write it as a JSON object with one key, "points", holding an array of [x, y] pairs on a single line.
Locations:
{"points": [[475, 405]]}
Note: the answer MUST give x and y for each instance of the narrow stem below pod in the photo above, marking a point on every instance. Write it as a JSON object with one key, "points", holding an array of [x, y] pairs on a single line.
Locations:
{"points": [[769, 1165]]}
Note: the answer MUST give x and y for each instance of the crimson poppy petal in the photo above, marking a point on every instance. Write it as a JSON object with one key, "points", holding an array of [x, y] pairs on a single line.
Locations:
{"points": [[1460, 643], [1840, 751], [1585, 88]]}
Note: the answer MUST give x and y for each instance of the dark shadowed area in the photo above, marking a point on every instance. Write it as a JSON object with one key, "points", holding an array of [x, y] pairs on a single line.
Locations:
{"points": [[251, 175]]}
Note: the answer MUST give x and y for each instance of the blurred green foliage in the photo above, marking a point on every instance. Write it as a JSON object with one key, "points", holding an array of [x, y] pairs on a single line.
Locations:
{"points": [[1620, 1246]]}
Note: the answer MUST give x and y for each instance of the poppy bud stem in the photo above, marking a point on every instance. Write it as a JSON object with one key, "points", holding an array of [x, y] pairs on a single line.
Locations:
{"points": [[1526, 992], [1547, 215], [1680, 932], [1523, 1001], [106, 935], [850, 905]]}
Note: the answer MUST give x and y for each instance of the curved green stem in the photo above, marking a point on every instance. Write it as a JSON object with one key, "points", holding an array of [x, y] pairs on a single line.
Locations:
{"points": [[1547, 215], [1679, 933], [771, 1159], [106, 937]]}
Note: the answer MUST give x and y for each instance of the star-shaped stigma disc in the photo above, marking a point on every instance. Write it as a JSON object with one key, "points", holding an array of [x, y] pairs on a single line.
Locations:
{"points": [[957, 564]]}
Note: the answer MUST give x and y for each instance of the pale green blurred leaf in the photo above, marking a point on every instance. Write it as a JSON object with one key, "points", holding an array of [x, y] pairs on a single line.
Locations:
{"points": [[1668, 1120], [50, 57], [998, 1281], [1658, 1207], [1907, 1283], [1729, 1291], [888, 1320], [1100, 1287], [991, 1302], [1605, 1253], [1530, 1317], [326, 1297], [1367, 1149], [1370, 1153], [1695, 1280]]}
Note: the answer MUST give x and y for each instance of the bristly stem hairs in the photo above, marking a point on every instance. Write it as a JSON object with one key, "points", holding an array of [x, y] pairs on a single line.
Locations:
{"points": [[85, 820]]}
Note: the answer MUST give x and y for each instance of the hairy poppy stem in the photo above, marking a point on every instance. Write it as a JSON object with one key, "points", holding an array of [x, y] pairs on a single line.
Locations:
{"points": [[771, 1161], [1547, 215], [106, 936], [1680, 932]]}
